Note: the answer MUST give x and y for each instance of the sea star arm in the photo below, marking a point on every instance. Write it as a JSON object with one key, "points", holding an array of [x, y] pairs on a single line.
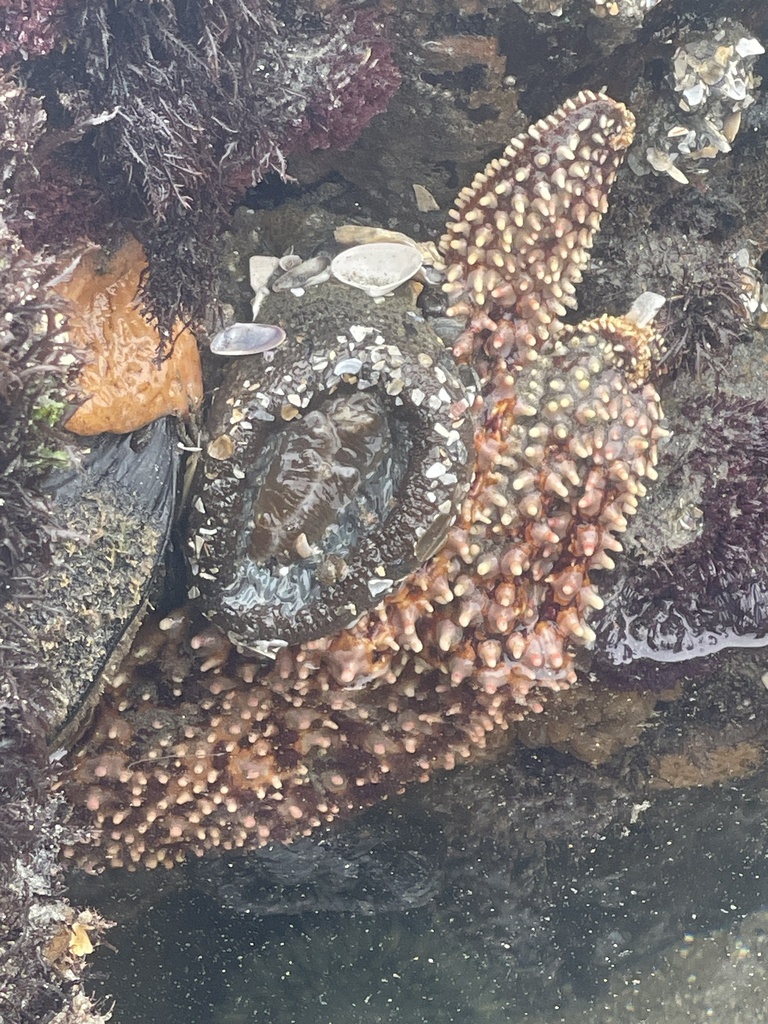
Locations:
{"points": [[520, 234]]}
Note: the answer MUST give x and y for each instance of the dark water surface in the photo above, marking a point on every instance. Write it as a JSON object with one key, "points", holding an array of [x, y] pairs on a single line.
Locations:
{"points": [[657, 920]]}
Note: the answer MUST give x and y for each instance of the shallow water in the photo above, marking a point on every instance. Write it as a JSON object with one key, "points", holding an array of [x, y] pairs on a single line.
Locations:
{"points": [[657, 920]]}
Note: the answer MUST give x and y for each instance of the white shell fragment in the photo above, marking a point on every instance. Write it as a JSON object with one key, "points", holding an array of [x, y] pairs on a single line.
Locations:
{"points": [[645, 307], [749, 47], [425, 201], [376, 268], [261, 268], [258, 301], [247, 339]]}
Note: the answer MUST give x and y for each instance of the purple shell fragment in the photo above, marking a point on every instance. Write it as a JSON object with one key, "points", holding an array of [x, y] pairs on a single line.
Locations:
{"points": [[247, 339]]}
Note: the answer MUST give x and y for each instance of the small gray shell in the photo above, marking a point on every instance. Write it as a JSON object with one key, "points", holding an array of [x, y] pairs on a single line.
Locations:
{"points": [[247, 339], [310, 272]]}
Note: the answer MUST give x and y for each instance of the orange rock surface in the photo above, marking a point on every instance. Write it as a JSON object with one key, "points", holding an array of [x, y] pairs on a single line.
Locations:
{"points": [[123, 386]]}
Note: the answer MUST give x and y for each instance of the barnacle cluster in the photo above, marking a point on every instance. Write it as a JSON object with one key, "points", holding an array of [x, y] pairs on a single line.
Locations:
{"points": [[627, 10], [632, 10], [713, 79]]}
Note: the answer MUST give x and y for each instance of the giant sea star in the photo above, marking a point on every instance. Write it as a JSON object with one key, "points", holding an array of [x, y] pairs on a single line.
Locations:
{"points": [[179, 761]]}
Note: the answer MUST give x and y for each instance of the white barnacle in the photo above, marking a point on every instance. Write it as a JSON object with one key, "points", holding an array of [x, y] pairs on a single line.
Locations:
{"points": [[435, 471], [377, 587]]}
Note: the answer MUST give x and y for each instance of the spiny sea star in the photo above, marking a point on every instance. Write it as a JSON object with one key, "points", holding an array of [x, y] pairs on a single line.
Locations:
{"points": [[180, 761]]}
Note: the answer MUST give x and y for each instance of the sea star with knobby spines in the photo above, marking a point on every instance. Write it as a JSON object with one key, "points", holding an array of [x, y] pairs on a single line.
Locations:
{"points": [[180, 761]]}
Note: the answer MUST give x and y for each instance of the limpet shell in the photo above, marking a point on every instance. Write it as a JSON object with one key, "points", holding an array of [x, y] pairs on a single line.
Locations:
{"points": [[247, 339], [376, 268]]}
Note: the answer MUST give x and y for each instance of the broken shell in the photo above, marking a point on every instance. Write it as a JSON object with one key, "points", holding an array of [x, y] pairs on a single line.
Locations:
{"points": [[665, 164], [258, 301], [362, 234], [312, 271], [376, 268], [247, 339], [290, 261], [221, 448], [425, 201], [261, 268], [645, 307]]}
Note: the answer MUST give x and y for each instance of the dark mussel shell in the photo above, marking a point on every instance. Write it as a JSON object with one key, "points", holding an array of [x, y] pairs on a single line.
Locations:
{"points": [[118, 505]]}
